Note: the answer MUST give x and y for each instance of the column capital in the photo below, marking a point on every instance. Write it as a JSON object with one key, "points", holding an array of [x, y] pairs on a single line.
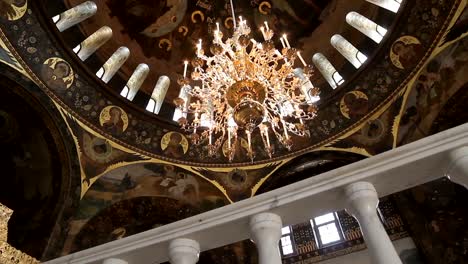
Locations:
{"points": [[265, 231], [266, 221], [458, 168], [362, 198], [362, 202], [184, 251]]}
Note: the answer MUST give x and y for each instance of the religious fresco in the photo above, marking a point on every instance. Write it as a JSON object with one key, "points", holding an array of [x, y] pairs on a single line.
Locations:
{"points": [[436, 215], [97, 154], [126, 218], [113, 119], [239, 183], [40, 169], [405, 52], [174, 144], [58, 73], [377, 135], [129, 194], [381, 83], [437, 83], [354, 104], [182, 188]]}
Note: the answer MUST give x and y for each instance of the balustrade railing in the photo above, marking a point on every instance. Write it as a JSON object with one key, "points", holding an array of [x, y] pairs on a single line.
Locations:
{"points": [[355, 187]]}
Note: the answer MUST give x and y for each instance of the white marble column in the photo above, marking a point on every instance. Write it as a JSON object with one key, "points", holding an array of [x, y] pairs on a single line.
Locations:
{"points": [[458, 169], [114, 261], [265, 231], [362, 201], [183, 251]]}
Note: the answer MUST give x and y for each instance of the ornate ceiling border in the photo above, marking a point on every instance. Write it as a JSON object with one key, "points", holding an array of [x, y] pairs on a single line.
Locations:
{"points": [[381, 81]]}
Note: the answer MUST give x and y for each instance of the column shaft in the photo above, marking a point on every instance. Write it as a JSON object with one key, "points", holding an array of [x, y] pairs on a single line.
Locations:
{"points": [[265, 230], [362, 204]]}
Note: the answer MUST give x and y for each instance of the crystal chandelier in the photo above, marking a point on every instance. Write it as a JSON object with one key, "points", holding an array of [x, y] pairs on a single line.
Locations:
{"points": [[245, 87]]}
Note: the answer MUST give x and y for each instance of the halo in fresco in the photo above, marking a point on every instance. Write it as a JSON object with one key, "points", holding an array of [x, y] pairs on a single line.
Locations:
{"points": [[405, 52], [114, 119], [13, 9], [354, 104], [174, 144], [57, 73]]}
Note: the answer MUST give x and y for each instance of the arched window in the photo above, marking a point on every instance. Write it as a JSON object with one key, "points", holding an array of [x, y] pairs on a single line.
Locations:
{"points": [[351, 53], [287, 241], [113, 64], [327, 70], [135, 81], [392, 5], [86, 48], [366, 26], [159, 92], [74, 15]]}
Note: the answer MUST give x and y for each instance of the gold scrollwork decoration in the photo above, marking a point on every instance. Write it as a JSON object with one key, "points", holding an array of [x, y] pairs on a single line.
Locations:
{"points": [[199, 14], [229, 22], [165, 43], [264, 8], [184, 30]]}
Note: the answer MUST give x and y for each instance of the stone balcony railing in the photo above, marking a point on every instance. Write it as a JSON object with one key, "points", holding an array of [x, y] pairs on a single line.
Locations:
{"points": [[355, 187]]}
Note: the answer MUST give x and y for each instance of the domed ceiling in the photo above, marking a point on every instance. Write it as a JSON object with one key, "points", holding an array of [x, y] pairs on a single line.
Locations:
{"points": [[140, 25], [131, 159]]}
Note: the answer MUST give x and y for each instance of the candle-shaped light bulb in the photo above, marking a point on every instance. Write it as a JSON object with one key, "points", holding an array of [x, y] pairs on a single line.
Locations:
{"points": [[199, 46], [286, 41], [286, 135], [282, 43], [185, 68], [217, 26], [266, 26], [302, 59], [267, 138], [262, 29], [229, 137], [265, 134]]}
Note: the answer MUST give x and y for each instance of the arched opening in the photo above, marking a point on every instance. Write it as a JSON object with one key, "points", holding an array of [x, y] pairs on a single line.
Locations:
{"points": [[40, 173]]}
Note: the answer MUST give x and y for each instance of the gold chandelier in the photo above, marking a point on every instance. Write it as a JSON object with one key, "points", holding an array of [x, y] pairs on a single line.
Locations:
{"points": [[245, 86]]}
